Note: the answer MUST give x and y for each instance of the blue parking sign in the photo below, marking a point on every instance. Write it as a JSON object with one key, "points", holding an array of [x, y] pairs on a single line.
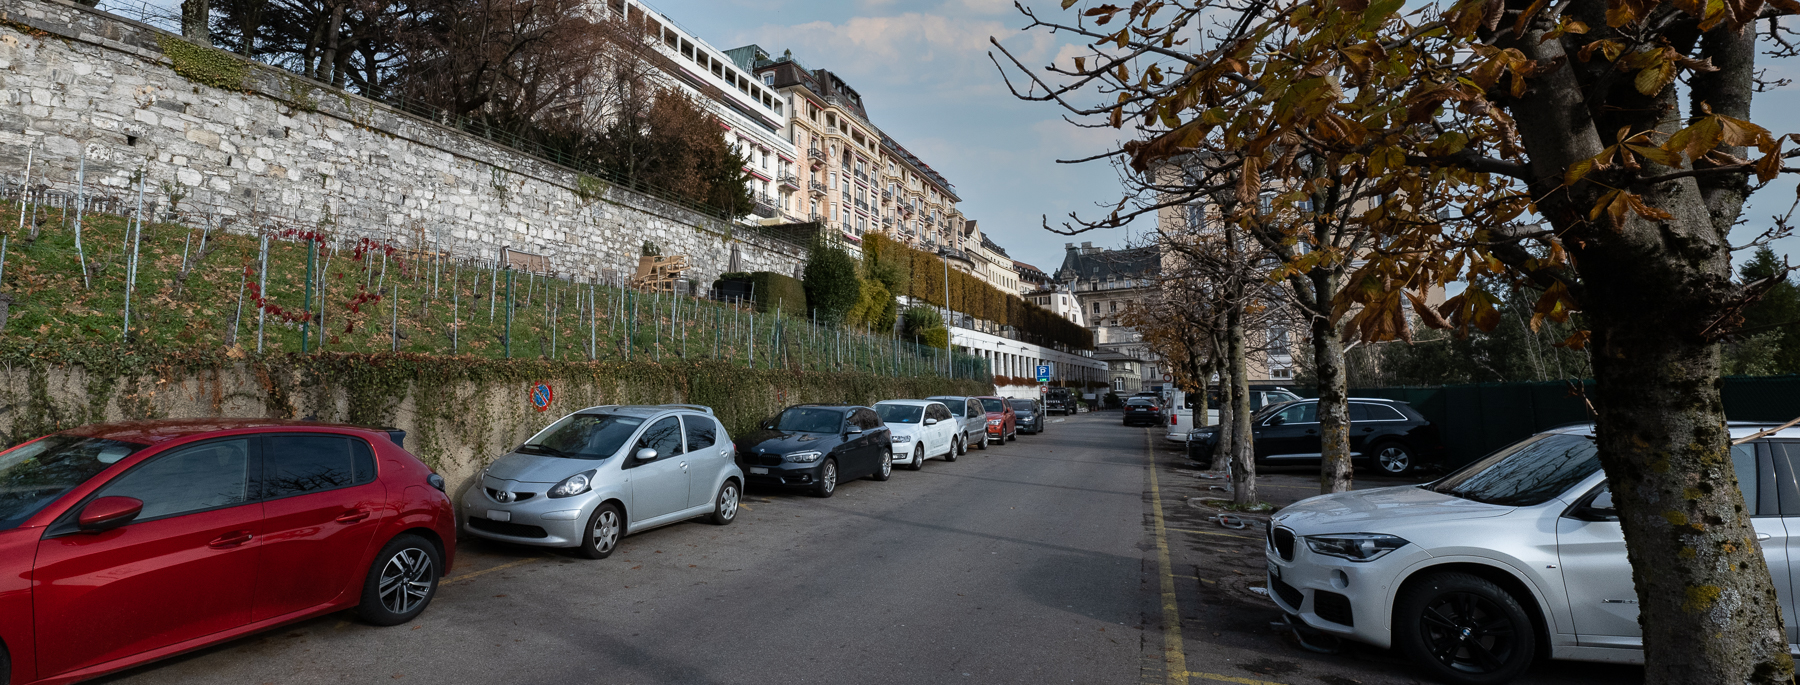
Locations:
{"points": [[1043, 373]]}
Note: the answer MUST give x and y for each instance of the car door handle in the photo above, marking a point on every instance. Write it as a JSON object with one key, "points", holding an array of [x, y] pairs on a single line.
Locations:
{"points": [[1368, 430], [1763, 536], [684, 466], [1310, 431], [231, 539], [353, 516]]}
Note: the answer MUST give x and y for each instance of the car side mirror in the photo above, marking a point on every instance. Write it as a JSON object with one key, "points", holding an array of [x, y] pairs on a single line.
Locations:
{"points": [[768, 425], [1276, 420], [644, 454], [853, 430], [108, 513], [930, 422]]}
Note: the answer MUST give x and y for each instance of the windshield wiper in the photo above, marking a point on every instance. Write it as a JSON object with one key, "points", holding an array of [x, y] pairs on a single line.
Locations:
{"points": [[552, 451]]}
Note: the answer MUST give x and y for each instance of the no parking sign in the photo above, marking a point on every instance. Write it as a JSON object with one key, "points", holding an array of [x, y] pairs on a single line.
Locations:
{"points": [[542, 395]]}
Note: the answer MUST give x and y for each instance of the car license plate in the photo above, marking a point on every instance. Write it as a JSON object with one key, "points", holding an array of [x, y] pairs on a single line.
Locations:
{"points": [[758, 471], [1274, 571], [497, 515]]}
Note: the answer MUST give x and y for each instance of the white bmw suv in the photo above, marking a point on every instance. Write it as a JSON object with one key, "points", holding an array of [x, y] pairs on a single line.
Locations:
{"points": [[1473, 574]]}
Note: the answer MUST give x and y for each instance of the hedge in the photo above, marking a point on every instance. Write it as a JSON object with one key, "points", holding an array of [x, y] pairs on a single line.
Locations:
{"points": [[973, 296], [772, 290]]}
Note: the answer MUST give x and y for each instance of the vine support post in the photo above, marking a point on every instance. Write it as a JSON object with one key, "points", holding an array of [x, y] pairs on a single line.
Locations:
{"points": [[306, 301], [25, 186], [262, 288], [394, 326], [137, 237], [593, 324], [80, 206], [456, 310], [506, 335]]}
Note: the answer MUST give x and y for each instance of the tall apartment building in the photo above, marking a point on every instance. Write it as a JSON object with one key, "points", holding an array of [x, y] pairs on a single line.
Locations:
{"points": [[1104, 283], [755, 116]]}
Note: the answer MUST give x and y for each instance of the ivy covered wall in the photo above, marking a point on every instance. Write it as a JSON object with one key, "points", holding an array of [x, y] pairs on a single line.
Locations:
{"points": [[459, 412]]}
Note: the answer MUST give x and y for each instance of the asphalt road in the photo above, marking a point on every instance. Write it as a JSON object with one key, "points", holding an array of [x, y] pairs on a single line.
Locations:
{"points": [[1034, 562], [1023, 563]]}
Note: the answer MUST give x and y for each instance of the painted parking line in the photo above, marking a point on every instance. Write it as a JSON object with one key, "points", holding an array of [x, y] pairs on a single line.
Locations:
{"points": [[476, 574], [1208, 532], [1174, 654]]}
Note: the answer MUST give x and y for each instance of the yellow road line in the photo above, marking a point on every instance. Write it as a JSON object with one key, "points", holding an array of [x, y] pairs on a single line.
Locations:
{"points": [[1230, 679], [476, 574], [1174, 654]]}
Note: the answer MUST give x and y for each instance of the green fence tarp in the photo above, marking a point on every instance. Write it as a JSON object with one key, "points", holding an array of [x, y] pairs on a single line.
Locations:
{"points": [[1480, 418]]}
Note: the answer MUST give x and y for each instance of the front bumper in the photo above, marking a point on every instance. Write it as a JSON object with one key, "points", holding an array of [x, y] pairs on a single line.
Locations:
{"points": [[785, 474], [1337, 596], [539, 521], [996, 432], [903, 451]]}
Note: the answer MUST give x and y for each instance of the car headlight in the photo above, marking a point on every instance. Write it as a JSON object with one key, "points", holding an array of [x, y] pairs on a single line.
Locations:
{"points": [[1354, 546], [803, 457], [902, 438], [573, 485], [995, 422]]}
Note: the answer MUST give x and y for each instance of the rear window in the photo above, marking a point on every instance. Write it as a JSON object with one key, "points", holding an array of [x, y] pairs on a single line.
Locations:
{"points": [[898, 413], [993, 405], [1526, 473], [1024, 405], [1145, 401], [34, 474]]}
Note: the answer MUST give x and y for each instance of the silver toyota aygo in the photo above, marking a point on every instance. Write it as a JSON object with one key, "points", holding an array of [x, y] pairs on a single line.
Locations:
{"points": [[602, 473]]}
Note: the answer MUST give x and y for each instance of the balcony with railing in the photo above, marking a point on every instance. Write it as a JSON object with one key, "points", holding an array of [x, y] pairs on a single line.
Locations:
{"points": [[791, 181], [764, 207], [816, 156], [816, 187]]}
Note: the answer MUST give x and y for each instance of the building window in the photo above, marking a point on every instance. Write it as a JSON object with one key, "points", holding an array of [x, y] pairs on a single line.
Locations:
{"points": [[1281, 373], [1096, 307], [1112, 307]]}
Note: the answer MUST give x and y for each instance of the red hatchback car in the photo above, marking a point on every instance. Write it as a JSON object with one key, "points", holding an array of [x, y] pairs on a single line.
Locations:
{"points": [[1002, 423], [126, 543]]}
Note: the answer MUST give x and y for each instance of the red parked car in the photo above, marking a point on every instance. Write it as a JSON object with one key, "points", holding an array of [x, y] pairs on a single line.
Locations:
{"points": [[126, 543], [1002, 423]]}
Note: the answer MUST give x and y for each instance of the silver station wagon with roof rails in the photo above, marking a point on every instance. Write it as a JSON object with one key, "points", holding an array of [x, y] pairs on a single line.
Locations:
{"points": [[602, 473]]}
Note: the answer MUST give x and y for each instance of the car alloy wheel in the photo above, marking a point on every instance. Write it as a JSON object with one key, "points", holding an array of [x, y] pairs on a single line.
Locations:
{"points": [[828, 478], [1465, 629], [956, 448], [887, 465], [406, 580], [918, 459], [1394, 459]]}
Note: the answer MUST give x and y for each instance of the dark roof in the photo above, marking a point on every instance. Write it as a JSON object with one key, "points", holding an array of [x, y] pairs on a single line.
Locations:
{"points": [[920, 166], [1091, 263]]}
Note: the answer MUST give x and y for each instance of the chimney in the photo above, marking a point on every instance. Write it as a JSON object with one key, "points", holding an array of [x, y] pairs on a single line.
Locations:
{"points": [[1068, 246]]}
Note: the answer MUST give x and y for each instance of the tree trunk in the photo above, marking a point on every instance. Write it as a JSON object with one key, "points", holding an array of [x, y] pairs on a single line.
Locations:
{"points": [[1335, 473], [1221, 456], [194, 18], [1709, 609], [1242, 452], [328, 62]]}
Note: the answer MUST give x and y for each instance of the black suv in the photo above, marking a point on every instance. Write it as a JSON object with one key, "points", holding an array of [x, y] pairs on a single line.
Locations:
{"points": [[1059, 401], [817, 446], [1031, 416], [1387, 434]]}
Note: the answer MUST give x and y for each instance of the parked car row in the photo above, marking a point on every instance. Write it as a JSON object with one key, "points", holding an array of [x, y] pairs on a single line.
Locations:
{"points": [[184, 534]]}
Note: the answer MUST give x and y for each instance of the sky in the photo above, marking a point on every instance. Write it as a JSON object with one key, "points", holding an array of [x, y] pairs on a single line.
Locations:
{"points": [[923, 69]]}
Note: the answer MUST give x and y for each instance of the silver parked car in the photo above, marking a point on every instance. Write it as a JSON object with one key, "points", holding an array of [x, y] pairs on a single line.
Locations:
{"points": [[971, 416], [605, 472]]}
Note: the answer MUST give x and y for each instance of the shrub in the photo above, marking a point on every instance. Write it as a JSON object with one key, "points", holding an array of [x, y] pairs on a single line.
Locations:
{"points": [[775, 290], [832, 288]]}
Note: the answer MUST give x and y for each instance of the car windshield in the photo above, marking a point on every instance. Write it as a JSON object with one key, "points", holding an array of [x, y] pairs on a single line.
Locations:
{"points": [[34, 474], [584, 436], [810, 420], [1526, 473], [1024, 405], [899, 413], [954, 404], [995, 406]]}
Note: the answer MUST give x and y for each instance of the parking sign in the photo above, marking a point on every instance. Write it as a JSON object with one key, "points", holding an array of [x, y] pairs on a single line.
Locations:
{"points": [[1043, 373]]}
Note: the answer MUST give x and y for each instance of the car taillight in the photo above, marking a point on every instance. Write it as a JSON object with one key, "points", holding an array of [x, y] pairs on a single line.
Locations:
{"points": [[1174, 419]]}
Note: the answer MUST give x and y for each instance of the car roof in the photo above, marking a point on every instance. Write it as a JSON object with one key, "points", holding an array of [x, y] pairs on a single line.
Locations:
{"points": [[1737, 429], [911, 403], [169, 430], [821, 405], [941, 398]]}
